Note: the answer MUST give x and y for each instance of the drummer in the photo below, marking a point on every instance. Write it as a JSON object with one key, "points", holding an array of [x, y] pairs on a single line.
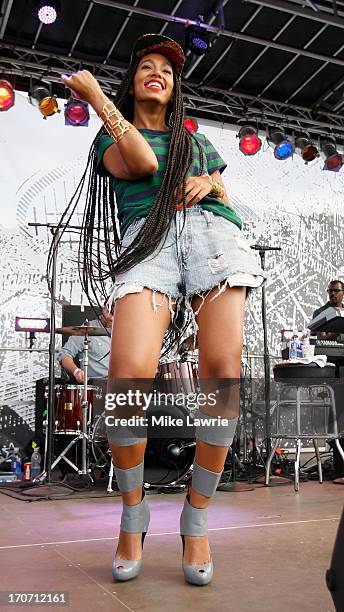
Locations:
{"points": [[98, 351]]}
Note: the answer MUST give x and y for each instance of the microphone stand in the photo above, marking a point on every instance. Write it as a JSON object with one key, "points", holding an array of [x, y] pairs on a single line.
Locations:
{"points": [[267, 364], [45, 476], [267, 386]]}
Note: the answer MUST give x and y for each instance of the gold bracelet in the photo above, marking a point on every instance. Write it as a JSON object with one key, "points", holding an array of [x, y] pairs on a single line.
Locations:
{"points": [[217, 191], [113, 121]]}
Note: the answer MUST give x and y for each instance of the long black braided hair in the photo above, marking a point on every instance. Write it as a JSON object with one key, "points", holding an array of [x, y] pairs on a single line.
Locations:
{"points": [[101, 257]]}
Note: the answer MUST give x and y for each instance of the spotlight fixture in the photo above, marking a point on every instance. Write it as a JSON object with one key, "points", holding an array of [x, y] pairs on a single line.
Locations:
{"points": [[6, 95], [32, 324], [197, 39], [191, 125], [305, 147], [333, 159], [249, 141], [76, 112], [47, 104], [283, 148], [47, 11]]}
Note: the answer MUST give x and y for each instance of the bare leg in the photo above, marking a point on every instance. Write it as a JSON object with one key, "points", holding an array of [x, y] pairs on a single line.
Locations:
{"points": [[136, 339], [220, 345]]}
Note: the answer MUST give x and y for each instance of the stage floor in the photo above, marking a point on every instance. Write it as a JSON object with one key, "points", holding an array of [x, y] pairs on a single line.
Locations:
{"points": [[271, 548]]}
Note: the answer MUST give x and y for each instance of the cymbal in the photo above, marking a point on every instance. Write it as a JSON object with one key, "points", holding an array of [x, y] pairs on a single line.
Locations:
{"points": [[82, 330]]}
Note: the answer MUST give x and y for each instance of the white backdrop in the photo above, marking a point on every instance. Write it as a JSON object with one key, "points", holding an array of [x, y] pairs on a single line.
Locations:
{"points": [[288, 204]]}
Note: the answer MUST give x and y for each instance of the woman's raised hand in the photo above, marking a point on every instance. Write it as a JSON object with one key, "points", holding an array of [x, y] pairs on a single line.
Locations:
{"points": [[83, 86]]}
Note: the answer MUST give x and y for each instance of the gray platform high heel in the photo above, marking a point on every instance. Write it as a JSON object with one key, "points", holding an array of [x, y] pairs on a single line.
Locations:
{"points": [[135, 519], [193, 522]]}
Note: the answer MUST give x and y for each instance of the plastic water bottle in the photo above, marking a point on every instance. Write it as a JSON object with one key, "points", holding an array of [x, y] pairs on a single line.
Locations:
{"points": [[293, 350], [35, 462], [305, 343], [16, 466]]}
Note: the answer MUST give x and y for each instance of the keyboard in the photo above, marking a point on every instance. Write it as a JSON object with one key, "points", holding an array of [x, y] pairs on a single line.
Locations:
{"points": [[329, 320], [333, 350]]}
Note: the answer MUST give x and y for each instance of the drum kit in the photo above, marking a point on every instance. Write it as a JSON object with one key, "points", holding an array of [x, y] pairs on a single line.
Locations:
{"points": [[79, 413]]}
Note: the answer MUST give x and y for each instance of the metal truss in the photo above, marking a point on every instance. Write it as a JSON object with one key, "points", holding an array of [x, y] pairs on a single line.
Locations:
{"points": [[201, 100], [229, 33], [41, 65], [323, 15]]}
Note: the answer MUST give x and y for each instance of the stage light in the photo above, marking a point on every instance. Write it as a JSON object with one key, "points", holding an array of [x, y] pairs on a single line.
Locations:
{"points": [[333, 159], [6, 95], [47, 104], [76, 113], [305, 147], [33, 325], [249, 141], [283, 148], [197, 39], [191, 125], [47, 11]]}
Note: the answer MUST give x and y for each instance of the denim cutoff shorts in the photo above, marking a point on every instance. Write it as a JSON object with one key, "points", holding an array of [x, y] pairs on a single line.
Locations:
{"points": [[202, 252]]}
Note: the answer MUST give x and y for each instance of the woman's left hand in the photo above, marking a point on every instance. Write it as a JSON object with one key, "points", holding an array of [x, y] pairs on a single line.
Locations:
{"points": [[196, 188]]}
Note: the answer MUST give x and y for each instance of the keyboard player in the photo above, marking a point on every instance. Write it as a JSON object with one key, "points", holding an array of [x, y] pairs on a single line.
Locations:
{"points": [[335, 292]]}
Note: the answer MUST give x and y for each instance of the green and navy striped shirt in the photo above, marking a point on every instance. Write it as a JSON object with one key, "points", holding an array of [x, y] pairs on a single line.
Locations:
{"points": [[135, 198]]}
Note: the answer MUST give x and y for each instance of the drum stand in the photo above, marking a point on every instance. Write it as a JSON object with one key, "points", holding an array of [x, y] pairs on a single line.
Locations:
{"points": [[84, 434], [233, 486]]}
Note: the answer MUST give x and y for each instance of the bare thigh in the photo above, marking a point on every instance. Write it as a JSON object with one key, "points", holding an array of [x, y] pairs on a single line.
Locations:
{"points": [[220, 336], [220, 340], [137, 335]]}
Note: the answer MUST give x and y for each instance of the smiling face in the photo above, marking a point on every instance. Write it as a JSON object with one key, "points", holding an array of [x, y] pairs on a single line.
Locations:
{"points": [[153, 80]]}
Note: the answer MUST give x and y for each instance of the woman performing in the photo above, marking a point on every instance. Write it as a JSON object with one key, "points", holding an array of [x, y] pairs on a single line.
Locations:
{"points": [[180, 250]]}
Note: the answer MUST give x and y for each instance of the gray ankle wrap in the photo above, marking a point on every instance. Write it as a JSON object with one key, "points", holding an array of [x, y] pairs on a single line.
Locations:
{"points": [[212, 433], [135, 519], [125, 436], [130, 479], [204, 481], [193, 521]]}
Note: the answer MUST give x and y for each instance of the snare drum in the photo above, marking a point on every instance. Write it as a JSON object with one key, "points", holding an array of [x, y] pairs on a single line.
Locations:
{"points": [[188, 370], [68, 408], [168, 377]]}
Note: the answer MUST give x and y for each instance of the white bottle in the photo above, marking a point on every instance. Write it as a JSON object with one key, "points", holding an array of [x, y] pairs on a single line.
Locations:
{"points": [[35, 462]]}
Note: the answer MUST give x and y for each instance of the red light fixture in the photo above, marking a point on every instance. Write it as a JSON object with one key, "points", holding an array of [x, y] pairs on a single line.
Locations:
{"points": [[249, 141], [333, 159], [76, 113], [191, 125], [305, 147], [6, 95]]}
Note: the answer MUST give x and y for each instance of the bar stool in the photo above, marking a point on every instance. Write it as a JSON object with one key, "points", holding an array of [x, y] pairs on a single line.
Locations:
{"points": [[309, 377]]}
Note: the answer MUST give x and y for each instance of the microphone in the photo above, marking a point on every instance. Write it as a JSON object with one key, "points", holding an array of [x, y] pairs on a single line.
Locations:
{"points": [[261, 247], [175, 450]]}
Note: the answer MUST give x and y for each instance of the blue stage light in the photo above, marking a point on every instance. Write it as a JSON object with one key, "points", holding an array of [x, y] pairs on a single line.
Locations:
{"points": [[200, 43], [197, 39], [283, 148]]}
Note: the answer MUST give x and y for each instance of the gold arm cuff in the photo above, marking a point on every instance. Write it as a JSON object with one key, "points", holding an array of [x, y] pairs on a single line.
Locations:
{"points": [[113, 121]]}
